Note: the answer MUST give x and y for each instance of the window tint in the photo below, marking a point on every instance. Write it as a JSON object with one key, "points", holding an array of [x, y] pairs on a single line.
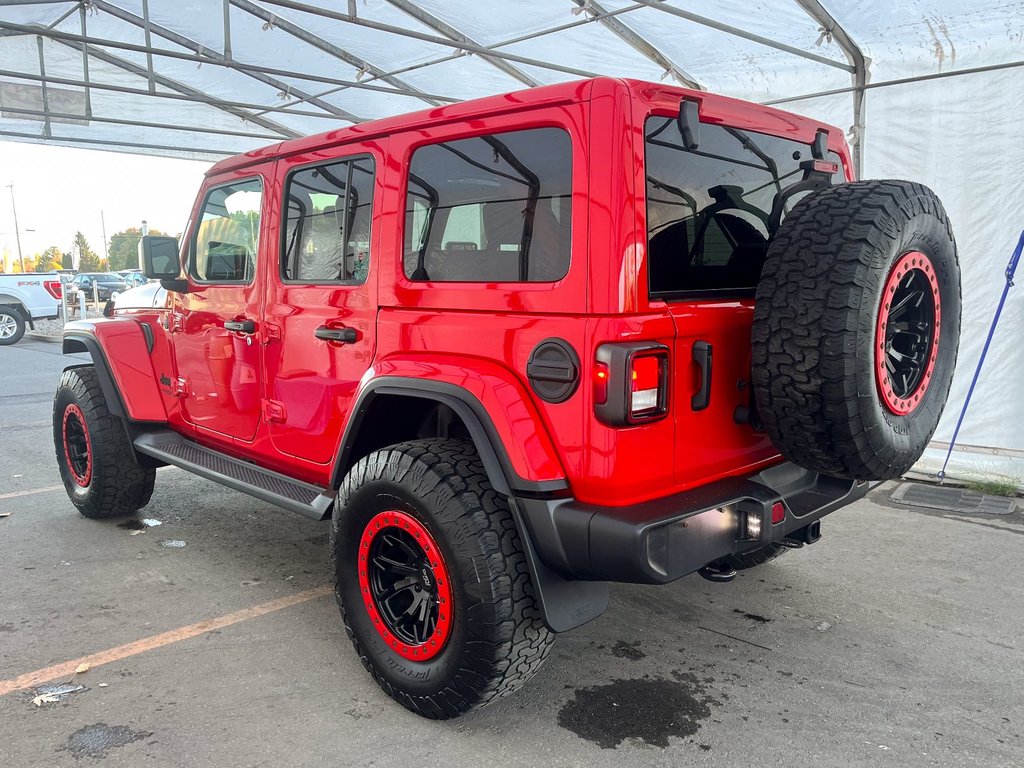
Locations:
{"points": [[709, 209], [491, 209], [327, 232], [227, 236]]}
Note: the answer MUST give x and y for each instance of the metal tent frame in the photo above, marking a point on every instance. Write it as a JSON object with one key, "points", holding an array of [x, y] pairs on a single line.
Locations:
{"points": [[318, 95]]}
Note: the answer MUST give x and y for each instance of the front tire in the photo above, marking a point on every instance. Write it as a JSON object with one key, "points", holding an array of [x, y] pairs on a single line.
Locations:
{"points": [[432, 580], [12, 326], [96, 460]]}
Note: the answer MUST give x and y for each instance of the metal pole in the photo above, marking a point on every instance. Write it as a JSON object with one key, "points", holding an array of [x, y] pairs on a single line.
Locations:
{"points": [[106, 250], [17, 234]]}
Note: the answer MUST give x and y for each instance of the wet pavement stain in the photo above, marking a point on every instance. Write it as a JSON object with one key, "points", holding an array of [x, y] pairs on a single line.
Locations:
{"points": [[648, 710], [752, 616], [631, 651], [96, 740]]}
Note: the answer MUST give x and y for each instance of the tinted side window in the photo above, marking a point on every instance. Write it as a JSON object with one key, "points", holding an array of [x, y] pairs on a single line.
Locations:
{"points": [[327, 232], [227, 236], [491, 209], [708, 209]]}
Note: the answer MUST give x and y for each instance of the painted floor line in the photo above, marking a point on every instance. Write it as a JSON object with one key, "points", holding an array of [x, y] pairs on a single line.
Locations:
{"points": [[16, 494], [66, 669]]}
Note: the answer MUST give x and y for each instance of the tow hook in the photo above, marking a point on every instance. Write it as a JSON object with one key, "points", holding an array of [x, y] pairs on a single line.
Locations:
{"points": [[718, 572]]}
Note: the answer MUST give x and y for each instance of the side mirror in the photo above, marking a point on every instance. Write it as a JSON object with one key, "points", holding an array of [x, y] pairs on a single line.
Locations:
{"points": [[158, 259]]}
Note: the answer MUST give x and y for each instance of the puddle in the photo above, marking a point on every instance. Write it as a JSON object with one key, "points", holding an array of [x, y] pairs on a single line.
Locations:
{"points": [[172, 543], [139, 525], [97, 740], [631, 651], [648, 710]]}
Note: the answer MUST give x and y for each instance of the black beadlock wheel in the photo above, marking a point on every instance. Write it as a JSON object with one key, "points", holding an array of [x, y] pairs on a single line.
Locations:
{"points": [[856, 328], [432, 581], [96, 460]]}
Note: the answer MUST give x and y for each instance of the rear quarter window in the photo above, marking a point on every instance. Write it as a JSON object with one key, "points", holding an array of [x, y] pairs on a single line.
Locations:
{"points": [[493, 208]]}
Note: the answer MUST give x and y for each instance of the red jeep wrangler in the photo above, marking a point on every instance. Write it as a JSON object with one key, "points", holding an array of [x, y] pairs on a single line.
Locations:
{"points": [[521, 347]]}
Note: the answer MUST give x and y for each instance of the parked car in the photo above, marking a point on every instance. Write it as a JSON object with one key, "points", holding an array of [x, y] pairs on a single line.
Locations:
{"points": [[25, 298], [521, 347], [132, 277], [106, 283]]}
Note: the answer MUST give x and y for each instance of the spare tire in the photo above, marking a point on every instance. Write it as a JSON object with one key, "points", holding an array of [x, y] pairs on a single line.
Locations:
{"points": [[856, 328]]}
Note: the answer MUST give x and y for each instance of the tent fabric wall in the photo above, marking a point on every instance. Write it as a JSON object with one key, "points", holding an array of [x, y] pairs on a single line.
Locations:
{"points": [[958, 134]]}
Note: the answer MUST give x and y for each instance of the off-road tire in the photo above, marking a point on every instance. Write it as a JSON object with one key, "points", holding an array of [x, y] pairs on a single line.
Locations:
{"points": [[9, 315], [817, 326], [498, 638], [114, 483], [755, 557]]}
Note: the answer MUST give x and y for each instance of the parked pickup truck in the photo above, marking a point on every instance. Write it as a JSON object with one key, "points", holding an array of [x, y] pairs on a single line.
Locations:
{"points": [[518, 348], [25, 299]]}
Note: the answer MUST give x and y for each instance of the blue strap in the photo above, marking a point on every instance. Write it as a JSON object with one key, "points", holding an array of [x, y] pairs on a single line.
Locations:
{"points": [[1011, 268]]}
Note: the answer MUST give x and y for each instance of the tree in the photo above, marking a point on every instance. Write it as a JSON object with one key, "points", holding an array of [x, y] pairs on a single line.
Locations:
{"points": [[67, 261], [49, 260], [87, 258], [124, 248]]}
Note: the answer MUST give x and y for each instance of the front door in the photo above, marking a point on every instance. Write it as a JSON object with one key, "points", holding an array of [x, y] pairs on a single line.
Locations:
{"points": [[321, 310], [216, 323]]}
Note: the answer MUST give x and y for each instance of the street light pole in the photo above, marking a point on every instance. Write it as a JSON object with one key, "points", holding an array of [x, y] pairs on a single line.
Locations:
{"points": [[17, 234]]}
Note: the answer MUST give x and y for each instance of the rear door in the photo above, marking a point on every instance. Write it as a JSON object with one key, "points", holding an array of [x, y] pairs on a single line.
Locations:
{"points": [[322, 296], [708, 221]]}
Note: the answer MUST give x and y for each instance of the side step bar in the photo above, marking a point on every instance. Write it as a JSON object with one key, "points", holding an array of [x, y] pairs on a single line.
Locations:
{"points": [[303, 498]]}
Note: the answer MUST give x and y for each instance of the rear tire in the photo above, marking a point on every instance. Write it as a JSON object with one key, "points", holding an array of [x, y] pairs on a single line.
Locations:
{"points": [[856, 329], [96, 460], [418, 531], [12, 326]]}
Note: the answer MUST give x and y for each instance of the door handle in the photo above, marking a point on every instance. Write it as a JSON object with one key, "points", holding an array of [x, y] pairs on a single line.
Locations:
{"points": [[341, 335], [702, 357], [240, 326]]}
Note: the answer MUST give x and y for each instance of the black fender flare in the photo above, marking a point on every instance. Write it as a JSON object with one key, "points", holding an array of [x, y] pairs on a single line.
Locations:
{"points": [[81, 342], [565, 603], [467, 407]]}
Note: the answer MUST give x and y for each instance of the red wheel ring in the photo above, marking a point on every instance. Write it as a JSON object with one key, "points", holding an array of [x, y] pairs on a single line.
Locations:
{"points": [[911, 305], [77, 445], [405, 585]]}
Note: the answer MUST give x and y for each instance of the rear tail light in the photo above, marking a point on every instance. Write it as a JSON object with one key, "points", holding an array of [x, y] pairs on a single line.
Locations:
{"points": [[54, 288], [631, 383]]}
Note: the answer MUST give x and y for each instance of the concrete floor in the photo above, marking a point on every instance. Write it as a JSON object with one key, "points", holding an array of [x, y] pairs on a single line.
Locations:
{"points": [[896, 640]]}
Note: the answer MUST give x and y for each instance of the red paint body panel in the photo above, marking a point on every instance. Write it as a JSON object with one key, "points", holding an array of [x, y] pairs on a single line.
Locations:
{"points": [[124, 346], [284, 401]]}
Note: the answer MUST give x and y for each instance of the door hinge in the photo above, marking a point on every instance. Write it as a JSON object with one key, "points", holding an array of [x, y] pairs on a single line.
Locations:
{"points": [[271, 332], [273, 410], [181, 387], [177, 322]]}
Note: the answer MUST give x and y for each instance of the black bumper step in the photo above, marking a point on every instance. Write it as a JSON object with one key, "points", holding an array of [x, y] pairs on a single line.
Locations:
{"points": [[303, 498]]}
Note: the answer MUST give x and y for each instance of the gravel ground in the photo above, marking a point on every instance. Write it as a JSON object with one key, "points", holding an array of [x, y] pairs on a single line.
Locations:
{"points": [[55, 327]]}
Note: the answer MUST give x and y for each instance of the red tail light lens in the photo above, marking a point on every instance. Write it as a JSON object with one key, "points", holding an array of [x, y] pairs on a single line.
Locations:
{"points": [[646, 384], [631, 383], [54, 288]]}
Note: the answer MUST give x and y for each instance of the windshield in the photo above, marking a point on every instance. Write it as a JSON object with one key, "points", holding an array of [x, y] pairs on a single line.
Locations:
{"points": [[709, 209]]}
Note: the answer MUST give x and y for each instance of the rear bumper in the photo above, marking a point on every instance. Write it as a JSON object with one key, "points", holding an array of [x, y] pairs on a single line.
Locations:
{"points": [[665, 539]]}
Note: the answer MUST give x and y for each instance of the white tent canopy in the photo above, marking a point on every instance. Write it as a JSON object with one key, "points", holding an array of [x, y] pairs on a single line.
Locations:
{"points": [[929, 89]]}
